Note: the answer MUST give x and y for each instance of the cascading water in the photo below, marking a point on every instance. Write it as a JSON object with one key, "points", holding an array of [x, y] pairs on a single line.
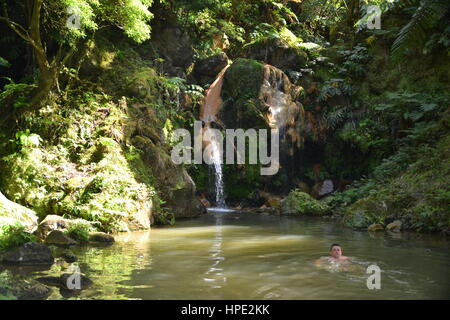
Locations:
{"points": [[208, 113], [216, 159]]}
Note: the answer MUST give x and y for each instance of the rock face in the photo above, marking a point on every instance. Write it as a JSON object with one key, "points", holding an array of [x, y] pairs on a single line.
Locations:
{"points": [[276, 100], [179, 53], [11, 212], [295, 6], [177, 187], [260, 96], [29, 254]]}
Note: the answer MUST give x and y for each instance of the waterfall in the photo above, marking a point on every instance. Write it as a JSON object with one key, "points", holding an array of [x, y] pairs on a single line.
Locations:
{"points": [[208, 113], [216, 158]]}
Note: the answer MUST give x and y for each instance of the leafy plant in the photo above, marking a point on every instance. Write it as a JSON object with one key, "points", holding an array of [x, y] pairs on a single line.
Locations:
{"points": [[165, 217], [25, 139], [79, 230], [14, 235], [427, 14]]}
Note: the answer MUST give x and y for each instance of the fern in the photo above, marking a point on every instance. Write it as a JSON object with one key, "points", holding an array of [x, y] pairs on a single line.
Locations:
{"points": [[414, 34]]}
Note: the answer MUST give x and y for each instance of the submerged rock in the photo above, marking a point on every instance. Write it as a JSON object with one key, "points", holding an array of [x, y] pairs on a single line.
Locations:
{"points": [[69, 281], [29, 253], [68, 256], [49, 281], [375, 227], [30, 290]]}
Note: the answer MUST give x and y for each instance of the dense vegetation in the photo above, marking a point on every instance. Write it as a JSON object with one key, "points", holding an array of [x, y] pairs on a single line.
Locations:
{"points": [[92, 90]]}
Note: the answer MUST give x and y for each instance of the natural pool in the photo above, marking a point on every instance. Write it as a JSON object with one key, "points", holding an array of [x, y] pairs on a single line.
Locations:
{"points": [[234, 255]]}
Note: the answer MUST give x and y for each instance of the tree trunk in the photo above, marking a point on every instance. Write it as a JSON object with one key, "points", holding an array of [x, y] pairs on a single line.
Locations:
{"points": [[47, 72], [47, 80]]}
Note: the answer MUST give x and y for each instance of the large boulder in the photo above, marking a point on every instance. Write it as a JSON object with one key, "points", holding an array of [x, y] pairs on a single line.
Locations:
{"points": [[364, 212], [29, 254], [11, 212]]}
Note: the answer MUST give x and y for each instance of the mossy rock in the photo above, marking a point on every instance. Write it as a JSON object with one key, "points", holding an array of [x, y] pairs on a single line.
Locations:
{"points": [[240, 93], [300, 203], [281, 53], [11, 212], [364, 213], [143, 84]]}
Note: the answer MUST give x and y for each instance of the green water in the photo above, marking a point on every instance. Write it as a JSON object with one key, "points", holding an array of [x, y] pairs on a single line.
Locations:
{"points": [[241, 256]]}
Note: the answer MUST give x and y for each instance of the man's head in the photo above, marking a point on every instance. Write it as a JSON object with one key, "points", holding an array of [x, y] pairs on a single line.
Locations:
{"points": [[336, 250]]}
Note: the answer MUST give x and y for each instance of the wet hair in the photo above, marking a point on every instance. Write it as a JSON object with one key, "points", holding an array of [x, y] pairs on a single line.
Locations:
{"points": [[335, 245]]}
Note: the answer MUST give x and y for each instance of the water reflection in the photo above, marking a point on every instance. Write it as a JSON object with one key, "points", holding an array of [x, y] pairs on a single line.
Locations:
{"points": [[215, 275], [232, 255]]}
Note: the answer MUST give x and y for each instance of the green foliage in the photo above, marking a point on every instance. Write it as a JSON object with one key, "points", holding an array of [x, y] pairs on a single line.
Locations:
{"points": [[235, 22], [88, 16], [6, 286], [79, 230], [427, 14], [14, 235], [25, 139], [16, 92], [320, 14], [164, 217], [4, 63]]}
